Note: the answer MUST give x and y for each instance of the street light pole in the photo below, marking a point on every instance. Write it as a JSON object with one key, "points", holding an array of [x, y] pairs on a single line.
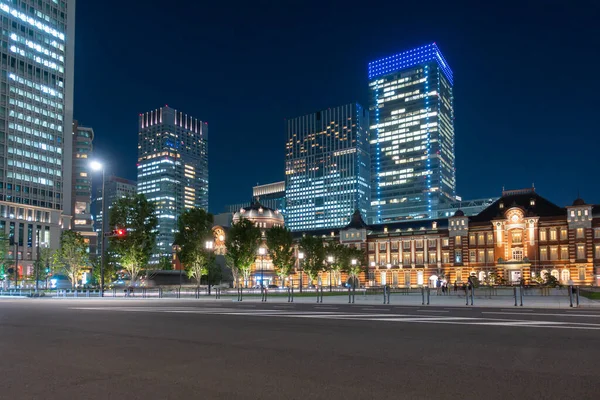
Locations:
{"points": [[261, 252], [330, 262], [209, 246], [96, 166], [300, 258]]}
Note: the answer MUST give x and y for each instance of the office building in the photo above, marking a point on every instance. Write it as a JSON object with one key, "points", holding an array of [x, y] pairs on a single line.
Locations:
{"points": [[271, 195], [327, 167], [36, 120], [81, 198], [172, 168], [412, 135], [115, 188]]}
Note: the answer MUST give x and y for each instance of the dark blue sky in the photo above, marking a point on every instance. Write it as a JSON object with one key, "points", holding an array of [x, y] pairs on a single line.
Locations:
{"points": [[526, 81]]}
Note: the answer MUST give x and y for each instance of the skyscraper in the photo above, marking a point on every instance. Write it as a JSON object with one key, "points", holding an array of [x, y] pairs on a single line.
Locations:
{"points": [[327, 167], [36, 116], [412, 135], [81, 198], [172, 168]]}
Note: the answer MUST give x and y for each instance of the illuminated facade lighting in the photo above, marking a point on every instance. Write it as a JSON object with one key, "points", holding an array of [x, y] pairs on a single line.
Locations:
{"points": [[412, 135], [172, 168], [38, 186], [327, 167]]}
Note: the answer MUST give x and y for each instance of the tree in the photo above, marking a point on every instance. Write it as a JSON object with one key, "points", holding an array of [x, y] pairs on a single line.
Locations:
{"points": [[194, 230], [72, 255], [353, 270], [164, 264], [42, 267], [3, 252], [135, 214], [109, 267], [242, 242], [314, 256], [281, 250], [341, 257]]}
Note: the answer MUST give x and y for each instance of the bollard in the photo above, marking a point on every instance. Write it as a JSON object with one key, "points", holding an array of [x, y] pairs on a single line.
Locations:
{"points": [[467, 295], [384, 293], [521, 295], [577, 296], [515, 294], [292, 293], [570, 296], [428, 294], [388, 293], [349, 295], [472, 294], [353, 291], [422, 296], [87, 293]]}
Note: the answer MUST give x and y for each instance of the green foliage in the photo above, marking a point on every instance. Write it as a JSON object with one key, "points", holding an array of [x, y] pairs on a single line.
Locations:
{"points": [[352, 253], [194, 230], [72, 256], [136, 215], [164, 264], [475, 281], [3, 250], [281, 250], [43, 265], [242, 242], [214, 274], [314, 256], [551, 281]]}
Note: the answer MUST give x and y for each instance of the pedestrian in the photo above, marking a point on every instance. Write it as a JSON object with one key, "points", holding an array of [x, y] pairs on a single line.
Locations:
{"points": [[455, 286], [438, 285]]}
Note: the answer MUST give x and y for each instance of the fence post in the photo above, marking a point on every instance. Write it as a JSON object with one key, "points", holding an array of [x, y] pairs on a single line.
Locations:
{"points": [[472, 293], [422, 296], [571, 296], [515, 294], [428, 294], [384, 292], [467, 295], [389, 292], [577, 296]]}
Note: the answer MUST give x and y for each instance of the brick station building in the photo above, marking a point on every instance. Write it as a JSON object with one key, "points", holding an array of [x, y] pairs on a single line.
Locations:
{"points": [[520, 236]]}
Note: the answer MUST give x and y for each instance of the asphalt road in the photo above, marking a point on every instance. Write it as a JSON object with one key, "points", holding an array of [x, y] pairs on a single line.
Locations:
{"points": [[154, 349]]}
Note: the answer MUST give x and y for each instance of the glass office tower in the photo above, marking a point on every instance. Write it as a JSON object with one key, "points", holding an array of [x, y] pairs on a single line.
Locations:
{"points": [[172, 168], [412, 135], [327, 167], [36, 117]]}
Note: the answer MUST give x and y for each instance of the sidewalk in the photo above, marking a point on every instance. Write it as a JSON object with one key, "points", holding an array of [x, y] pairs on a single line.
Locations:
{"points": [[414, 300]]}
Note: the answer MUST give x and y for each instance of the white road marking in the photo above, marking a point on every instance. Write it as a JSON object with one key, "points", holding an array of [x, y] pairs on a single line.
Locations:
{"points": [[544, 314], [514, 309], [387, 317]]}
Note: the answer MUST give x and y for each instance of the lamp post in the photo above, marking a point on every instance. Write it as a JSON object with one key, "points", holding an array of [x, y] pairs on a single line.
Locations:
{"points": [[330, 262], [97, 166], [261, 252], [353, 262], [300, 258], [209, 245], [389, 266], [373, 264]]}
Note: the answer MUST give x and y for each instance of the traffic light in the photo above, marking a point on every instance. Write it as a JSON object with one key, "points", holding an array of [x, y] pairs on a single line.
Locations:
{"points": [[120, 232]]}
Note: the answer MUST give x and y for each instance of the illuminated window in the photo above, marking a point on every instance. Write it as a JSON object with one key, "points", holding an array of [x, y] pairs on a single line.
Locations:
{"points": [[481, 256], [445, 242], [542, 235], [490, 256], [472, 256], [406, 259], [446, 257], [481, 239], [563, 234], [490, 238], [553, 235], [394, 245], [432, 258], [581, 251], [582, 273], [564, 253], [382, 246], [579, 233], [419, 244], [406, 245], [553, 253], [457, 241], [517, 237], [597, 252], [517, 254], [543, 254], [472, 240], [419, 258]]}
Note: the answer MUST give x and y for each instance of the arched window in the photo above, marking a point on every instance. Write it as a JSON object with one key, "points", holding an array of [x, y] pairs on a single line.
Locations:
{"points": [[481, 276], [554, 273], [565, 275], [544, 273]]}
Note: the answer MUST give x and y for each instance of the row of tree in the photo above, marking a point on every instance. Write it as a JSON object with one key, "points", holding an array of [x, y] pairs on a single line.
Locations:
{"points": [[131, 252]]}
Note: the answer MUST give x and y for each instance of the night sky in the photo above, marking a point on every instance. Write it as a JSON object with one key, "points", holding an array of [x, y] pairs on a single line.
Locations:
{"points": [[525, 74]]}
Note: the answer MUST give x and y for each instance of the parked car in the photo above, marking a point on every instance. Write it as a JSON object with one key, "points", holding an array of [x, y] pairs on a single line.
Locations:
{"points": [[60, 282], [273, 287]]}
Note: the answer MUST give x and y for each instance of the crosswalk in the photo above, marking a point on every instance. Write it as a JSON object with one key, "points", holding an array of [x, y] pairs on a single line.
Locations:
{"points": [[329, 314]]}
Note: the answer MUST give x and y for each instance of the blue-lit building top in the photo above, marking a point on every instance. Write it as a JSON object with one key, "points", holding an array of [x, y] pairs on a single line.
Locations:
{"points": [[172, 168], [327, 167], [412, 135]]}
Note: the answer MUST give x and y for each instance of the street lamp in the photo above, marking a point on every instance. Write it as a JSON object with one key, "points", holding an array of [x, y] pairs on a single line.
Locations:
{"points": [[97, 166], [209, 245], [353, 262], [300, 258], [373, 264], [330, 262], [261, 252]]}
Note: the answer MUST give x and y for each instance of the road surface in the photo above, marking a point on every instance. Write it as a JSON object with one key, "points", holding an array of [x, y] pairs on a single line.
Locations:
{"points": [[169, 349]]}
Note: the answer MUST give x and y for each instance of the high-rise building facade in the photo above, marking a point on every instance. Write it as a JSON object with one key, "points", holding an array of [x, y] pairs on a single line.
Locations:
{"points": [[115, 188], [172, 168], [412, 135], [327, 167], [81, 183], [271, 195], [36, 116]]}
